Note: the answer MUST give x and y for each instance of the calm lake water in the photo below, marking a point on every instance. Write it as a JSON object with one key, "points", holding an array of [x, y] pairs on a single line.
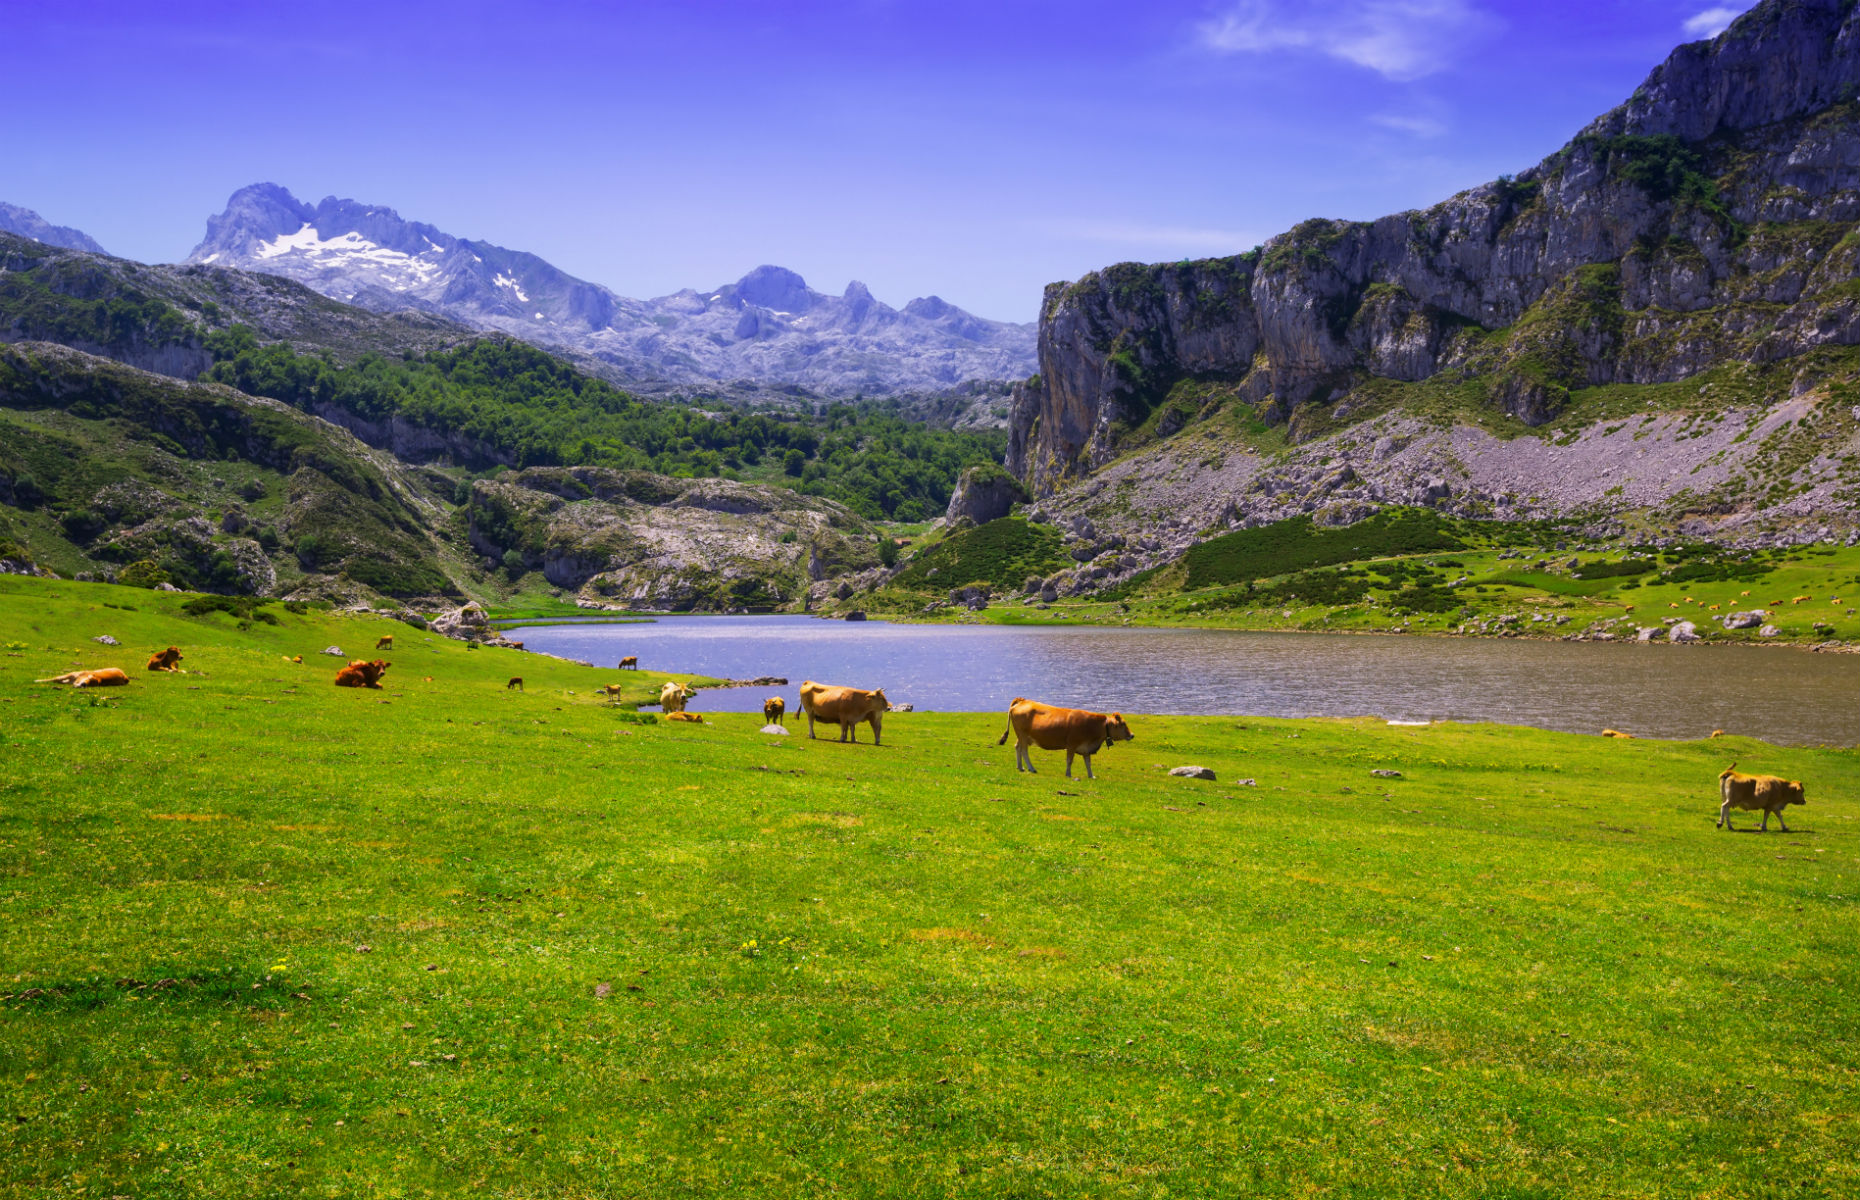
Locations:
{"points": [[1777, 694]]}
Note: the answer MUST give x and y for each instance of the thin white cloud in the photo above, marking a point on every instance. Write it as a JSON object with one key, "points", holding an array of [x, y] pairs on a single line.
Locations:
{"points": [[1398, 39], [1712, 22], [1414, 126]]}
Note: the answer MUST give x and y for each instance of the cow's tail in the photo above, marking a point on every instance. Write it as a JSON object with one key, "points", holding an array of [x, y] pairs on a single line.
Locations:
{"points": [[1726, 773], [1004, 736]]}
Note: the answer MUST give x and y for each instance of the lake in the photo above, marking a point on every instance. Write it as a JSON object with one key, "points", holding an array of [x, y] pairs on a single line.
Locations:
{"points": [[1780, 695]]}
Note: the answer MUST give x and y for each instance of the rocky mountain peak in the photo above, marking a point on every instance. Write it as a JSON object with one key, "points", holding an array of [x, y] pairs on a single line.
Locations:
{"points": [[26, 223], [768, 327]]}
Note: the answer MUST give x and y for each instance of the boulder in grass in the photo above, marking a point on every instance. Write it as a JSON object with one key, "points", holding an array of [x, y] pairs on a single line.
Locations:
{"points": [[777, 730], [1385, 773], [1193, 773], [107, 640], [333, 651]]}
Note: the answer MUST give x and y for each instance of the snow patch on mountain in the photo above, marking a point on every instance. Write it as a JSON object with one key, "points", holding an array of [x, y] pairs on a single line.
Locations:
{"points": [[766, 329]]}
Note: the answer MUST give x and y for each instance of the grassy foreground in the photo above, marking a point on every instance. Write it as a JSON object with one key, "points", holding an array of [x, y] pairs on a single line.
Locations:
{"points": [[263, 937]]}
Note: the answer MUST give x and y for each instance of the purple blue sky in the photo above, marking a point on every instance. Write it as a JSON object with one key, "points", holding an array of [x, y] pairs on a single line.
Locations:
{"points": [[975, 150]]}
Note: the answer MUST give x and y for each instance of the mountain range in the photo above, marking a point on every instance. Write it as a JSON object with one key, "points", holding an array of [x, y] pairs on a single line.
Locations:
{"points": [[26, 223], [1657, 326], [767, 328]]}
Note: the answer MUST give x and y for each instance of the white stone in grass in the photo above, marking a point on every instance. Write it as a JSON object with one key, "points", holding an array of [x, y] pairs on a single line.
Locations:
{"points": [[782, 730], [1193, 772]]}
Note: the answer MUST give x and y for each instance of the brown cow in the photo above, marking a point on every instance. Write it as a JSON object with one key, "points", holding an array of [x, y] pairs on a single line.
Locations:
{"points": [[1074, 730], [1765, 793], [101, 677], [673, 695], [362, 674], [385, 642], [611, 689], [685, 716], [629, 663], [845, 707], [774, 711], [1616, 733], [165, 660], [516, 681]]}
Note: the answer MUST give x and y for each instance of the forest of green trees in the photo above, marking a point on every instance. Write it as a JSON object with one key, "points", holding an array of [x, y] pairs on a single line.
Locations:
{"points": [[525, 407]]}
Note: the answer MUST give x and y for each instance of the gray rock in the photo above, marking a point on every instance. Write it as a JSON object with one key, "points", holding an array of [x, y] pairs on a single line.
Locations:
{"points": [[984, 494], [1744, 620], [1769, 631], [775, 730], [334, 651], [1385, 773], [106, 639], [1685, 631], [1192, 772], [1650, 633]]}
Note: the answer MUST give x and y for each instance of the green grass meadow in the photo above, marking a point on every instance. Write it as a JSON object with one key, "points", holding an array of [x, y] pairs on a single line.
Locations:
{"points": [[263, 937]]}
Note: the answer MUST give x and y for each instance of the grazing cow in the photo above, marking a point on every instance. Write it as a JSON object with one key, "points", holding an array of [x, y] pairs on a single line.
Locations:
{"points": [[845, 707], [1073, 730], [1717, 733], [516, 681], [685, 716], [672, 697], [629, 663], [362, 674], [165, 660], [1754, 793], [101, 677], [385, 642], [1616, 733], [774, 711]]}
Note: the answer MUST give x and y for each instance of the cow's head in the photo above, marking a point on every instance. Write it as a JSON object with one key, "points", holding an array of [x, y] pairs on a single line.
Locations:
{"points": [[1792, 793], [1115, 730], [884, 705], [376, 669]]}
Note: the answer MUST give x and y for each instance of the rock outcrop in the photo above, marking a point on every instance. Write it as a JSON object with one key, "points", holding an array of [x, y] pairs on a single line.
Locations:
{"points": [[984, 494], [1705, 221]]}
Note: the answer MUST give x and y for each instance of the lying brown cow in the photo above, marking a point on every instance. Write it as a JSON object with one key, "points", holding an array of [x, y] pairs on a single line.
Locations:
{"points": [[685, 716], [165, 660], [1073, 730], [1754, 793], [101, 677], [362, 674], [845, 707], [774, 710]]}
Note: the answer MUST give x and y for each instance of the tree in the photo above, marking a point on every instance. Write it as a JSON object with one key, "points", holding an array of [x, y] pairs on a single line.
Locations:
{"points": [[513, 562], [142, 573], [887, 551], [793, 463]]}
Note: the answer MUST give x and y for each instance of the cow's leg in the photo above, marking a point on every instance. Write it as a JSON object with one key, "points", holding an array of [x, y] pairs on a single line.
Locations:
{"points": [[810, 726], [1724, 813], [1088, 773], [877, 728], [1780, 821], [1023, 758], [1068, 763]]}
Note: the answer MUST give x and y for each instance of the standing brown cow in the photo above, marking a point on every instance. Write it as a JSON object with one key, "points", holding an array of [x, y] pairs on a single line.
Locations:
{"points": [[1756, 793], [629, 663], [1074, 730], [845, 707], [774, 710]]}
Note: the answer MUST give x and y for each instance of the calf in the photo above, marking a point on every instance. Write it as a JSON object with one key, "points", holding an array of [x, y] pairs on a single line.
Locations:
{"points": [[1765, 793], [774, 710], [516, 681], [385, 642], [165, 660]]}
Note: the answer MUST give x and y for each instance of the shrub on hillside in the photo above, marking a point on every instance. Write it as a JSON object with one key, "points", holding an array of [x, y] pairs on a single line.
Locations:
{"points": [[143, 573]]}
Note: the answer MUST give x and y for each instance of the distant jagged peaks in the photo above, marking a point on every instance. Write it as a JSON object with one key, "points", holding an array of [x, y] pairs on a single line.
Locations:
{"points": [[768, 327], [26, 223]]}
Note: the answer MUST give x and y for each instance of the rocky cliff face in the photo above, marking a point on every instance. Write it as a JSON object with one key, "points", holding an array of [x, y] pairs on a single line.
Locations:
{"points": [[768, 327], [633, 539], [1710, 219]]}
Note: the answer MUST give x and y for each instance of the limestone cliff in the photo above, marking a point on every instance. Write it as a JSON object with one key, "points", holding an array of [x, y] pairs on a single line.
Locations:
{"points": [[1710, 219]]}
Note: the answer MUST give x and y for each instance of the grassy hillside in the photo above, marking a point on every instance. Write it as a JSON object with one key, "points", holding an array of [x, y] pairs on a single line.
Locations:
{"points": [[268, 937]]}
